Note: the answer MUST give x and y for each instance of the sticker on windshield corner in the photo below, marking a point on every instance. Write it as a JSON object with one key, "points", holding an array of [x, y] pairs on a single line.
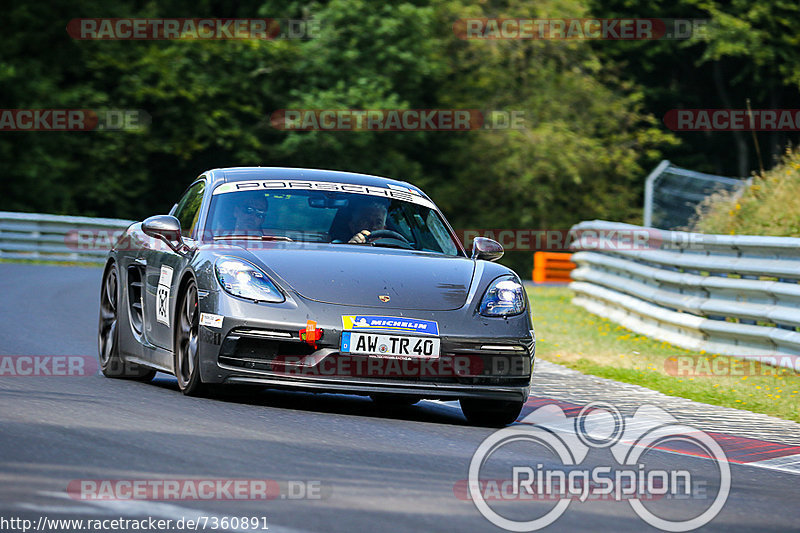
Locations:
{"points": [[391, 323], [399, 188], [162, 295], [210, 320]]}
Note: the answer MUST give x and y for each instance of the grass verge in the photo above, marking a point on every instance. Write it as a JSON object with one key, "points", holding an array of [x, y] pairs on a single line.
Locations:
{"points": [[571, 336], [50, 262]]}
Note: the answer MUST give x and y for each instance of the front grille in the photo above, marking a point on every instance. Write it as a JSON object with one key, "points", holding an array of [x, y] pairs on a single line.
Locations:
{"points": [[261, 349], [467, 363]]}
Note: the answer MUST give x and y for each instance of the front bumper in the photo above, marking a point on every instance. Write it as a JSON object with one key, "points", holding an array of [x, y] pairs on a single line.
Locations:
{"points": [[479, 357], [431, 391]]}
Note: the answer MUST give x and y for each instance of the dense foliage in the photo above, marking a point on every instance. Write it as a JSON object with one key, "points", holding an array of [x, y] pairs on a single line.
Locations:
{"points": [[592, 109], [769, 206]]}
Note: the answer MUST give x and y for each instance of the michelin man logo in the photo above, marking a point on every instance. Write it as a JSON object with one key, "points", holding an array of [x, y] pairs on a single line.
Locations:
{"points": [[599, 425]]}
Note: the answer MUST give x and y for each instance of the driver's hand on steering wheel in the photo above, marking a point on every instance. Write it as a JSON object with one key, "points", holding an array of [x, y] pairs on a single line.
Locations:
{"points": [[360, 237]]}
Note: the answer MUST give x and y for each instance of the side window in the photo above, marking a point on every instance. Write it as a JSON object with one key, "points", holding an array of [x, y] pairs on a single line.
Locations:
{"points": [[443, 240], [188, 210], [398, 221]]}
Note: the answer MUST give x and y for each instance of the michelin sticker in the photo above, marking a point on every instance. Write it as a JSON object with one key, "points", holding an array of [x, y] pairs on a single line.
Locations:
{"points": [[210, 320], [162, 295], [390, 323]]}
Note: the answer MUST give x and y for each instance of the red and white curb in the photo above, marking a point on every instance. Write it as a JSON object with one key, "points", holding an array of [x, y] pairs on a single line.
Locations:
{"points": [[738, 450]]}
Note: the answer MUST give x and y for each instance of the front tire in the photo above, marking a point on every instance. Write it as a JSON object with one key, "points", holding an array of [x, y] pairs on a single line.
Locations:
{"points": [[490, 413], [187, 361], [111, 364]]}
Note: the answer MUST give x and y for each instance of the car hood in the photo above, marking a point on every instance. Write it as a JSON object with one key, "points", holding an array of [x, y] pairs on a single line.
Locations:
{"points": [[359, 276]]}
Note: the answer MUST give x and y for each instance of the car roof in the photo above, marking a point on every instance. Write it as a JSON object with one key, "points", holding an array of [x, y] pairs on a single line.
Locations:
{"points": [[225, 175]]}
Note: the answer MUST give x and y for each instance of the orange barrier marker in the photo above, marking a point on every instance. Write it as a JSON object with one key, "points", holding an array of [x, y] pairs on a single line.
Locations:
{"points": [[552, 267]]}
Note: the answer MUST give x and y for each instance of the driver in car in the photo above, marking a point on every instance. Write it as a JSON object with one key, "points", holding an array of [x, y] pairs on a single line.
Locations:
{"points": [[249, 213], [370, 217]]}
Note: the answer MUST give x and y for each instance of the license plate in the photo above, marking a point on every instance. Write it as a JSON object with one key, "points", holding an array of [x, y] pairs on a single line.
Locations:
{"points": [[389, 345]]}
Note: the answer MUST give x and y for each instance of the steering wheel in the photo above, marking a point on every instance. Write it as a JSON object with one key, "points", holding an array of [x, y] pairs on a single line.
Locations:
{"points": [[384, 234]]}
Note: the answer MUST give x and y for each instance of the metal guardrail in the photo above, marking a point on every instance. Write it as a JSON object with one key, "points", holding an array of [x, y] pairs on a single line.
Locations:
{"points": [[57, 238], [733, 295], [725, 294]]}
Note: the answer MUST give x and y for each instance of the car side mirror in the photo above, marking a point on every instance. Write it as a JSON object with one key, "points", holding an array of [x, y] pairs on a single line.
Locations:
{"points": [[167, 228], [487, 249]]}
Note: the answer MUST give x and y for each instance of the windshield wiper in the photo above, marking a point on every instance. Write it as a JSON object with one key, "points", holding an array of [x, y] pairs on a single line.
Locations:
{"points": [[379, 243], [252, 238], [397, 244]]}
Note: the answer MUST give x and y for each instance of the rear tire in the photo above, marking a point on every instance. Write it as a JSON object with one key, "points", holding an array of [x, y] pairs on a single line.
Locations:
{"points": [[111, 364], [490, 413], [187, 359]]}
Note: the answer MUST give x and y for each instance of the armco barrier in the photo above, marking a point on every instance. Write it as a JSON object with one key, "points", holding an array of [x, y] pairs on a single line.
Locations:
{"points": [[552, 267], [57, 238], [726, 294]]}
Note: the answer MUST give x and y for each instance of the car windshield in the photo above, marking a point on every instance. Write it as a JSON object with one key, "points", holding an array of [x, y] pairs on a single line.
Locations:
{"points": [[262, 210]]}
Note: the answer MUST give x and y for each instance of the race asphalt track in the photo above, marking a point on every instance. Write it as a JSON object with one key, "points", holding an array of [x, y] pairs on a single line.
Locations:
{"points": [[380, 469]]}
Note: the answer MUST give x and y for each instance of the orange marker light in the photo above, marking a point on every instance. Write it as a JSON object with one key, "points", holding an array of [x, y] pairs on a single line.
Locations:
{"points": [[311, 334]]}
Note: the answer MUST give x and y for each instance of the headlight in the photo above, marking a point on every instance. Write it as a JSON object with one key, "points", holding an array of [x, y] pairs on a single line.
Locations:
{"points": [[242, 279], [503, 297]]}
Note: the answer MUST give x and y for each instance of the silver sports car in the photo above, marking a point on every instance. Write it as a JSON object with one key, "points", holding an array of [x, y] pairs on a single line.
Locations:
{"points": [[317, 280]]}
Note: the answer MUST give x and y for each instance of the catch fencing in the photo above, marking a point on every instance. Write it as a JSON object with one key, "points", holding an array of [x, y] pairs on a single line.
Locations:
{"points": [[672, 194]]}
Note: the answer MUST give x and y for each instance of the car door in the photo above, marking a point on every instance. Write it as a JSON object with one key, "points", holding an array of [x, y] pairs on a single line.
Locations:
{"points": [[164, 266]]}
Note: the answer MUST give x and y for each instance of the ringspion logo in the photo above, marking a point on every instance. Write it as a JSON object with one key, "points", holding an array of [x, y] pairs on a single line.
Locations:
{"points": [[627, 477]]}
